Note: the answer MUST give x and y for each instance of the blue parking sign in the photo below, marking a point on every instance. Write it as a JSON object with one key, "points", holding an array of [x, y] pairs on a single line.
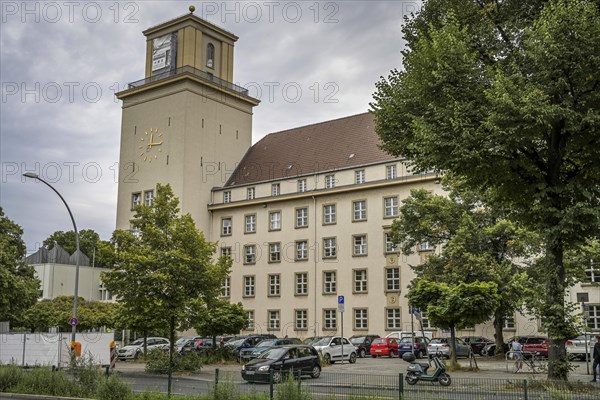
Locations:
{"points": [[340, 299]]}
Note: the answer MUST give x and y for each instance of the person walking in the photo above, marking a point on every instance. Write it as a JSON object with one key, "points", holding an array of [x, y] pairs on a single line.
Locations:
{"points": [[596, 358]]}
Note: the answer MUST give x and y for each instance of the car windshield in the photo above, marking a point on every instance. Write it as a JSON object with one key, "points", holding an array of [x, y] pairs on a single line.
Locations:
{"points": [[323, 341], [408, 340], [235, 343], [379, 341], [137, 342], [266, 343], [181, 341], [439, 340], [357, 339], [273, 354]]}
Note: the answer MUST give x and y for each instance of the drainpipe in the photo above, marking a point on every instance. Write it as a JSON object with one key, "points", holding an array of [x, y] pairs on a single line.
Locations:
{"points": [[315, 260]]}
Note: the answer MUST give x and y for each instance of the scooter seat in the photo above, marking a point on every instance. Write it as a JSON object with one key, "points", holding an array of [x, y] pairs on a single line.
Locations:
{"points": [[424, 366]]}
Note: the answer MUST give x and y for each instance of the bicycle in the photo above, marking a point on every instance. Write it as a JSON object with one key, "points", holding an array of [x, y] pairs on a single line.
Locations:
{"points": [[533, 362]]}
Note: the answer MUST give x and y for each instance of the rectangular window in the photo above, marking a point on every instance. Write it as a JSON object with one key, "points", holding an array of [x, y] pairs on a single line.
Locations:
{"points": [[275, 189], [390, 246], [274, 285], [302, 185], [136, 200], [273, 316], [392, 279], [249, 286], [593, 273], [250, 226], [360, 210], [330, 319], [329, 248], [360, 281], [361, 320], [329, 181], [425, 321], [359, 176], [226, 251], [274, 252], [275, 221], [148, 197], [302, 250], [360, 245], [250, 317], [226, 225], [593, 321], [301, 284], [390, 205], [226, 287], [250, 254], [392, 320], [301, 217], [509, 323], [329, 212], [301, 320], [250, 193], [425, 246], [391, 172], [329, 282], [227, 197]]}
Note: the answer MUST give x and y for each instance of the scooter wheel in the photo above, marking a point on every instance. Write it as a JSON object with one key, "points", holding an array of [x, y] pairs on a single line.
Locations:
{"points": [[411, 378], [444, 379]]}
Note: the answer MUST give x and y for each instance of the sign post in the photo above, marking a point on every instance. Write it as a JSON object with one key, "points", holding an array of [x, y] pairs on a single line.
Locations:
{"points": [[341, 310]]}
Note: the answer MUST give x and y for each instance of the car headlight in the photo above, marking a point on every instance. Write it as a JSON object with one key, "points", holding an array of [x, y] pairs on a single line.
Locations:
{"points": [[243, 367], [264, 368]]}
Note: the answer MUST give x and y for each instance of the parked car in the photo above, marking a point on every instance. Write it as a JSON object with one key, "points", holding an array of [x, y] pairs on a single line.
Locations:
{"points": [[477, 343], [250, 353], [442, 346], [363, 344], [576, 347], [536, 345], [416, 345], [136, 348], [245, 342], [311, 340], [186, 344], [490, 349], [203, 344], [332, 348], [282, 360], [384, 347]]}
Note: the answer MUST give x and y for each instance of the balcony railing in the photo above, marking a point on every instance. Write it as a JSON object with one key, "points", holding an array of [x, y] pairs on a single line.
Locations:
{"points": [[205, 76]]}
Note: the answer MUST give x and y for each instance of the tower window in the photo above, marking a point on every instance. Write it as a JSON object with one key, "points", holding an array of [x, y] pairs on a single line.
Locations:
{"points": [[210, 55]]}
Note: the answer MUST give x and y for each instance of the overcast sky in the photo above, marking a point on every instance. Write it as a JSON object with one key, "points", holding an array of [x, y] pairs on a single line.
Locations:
{"points": [[61, 63]]}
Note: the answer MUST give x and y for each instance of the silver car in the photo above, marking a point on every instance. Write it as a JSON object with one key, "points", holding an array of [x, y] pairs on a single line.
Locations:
{"points": [[576, 347], [442, 346]]}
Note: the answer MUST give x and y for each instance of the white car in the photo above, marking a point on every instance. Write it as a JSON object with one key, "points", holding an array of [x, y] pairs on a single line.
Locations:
{"points": [[136, 348], [576, 347], [331, 348]]}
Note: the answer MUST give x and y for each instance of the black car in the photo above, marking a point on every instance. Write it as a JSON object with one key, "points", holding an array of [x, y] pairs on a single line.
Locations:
{"points": [[282, 360], [477, 343], [363, 344], [250, 353]]}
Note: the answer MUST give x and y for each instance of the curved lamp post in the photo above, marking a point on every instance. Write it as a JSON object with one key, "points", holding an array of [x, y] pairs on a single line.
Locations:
{"points": [[74, 326]]}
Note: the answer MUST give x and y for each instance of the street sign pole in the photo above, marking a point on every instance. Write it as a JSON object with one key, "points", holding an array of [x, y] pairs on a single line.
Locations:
{"points": [[341, 310]]}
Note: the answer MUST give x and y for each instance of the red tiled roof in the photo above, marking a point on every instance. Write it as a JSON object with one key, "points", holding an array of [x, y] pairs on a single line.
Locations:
{"points": [[338, 144]]}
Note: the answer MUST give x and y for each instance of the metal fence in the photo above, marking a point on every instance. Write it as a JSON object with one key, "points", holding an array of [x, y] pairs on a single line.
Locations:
{"points": [[354, 386]]}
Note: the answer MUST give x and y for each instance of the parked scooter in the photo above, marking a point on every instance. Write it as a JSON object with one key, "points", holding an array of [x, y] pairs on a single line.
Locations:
{"points": [[418, 371]]}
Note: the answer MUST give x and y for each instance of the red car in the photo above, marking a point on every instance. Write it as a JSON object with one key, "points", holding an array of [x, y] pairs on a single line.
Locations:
{"points": [[536, 345], [384, 347]]}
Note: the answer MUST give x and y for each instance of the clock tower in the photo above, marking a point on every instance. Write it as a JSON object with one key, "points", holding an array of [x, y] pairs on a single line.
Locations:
{"points": [[185, 123]]}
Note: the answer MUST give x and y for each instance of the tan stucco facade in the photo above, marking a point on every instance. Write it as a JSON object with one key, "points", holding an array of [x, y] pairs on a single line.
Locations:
{"points": [[59, 280]]}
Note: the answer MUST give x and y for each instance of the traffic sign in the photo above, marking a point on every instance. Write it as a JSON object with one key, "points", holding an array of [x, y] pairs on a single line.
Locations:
{"points": [[73, 321], [340, 299]]}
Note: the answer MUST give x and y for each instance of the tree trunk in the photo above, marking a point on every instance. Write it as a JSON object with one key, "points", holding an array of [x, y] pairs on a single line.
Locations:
{"points": [[453, 346], [145, 343], [498, 334], [556, 313], [171, 350]]}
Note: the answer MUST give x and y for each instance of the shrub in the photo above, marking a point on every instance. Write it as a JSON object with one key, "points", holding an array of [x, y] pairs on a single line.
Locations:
{"points": [[291, 390], [52, 383], [157, 362], [10, 376], [218, 355], [113, 388], [88, 374], [226, 391]]}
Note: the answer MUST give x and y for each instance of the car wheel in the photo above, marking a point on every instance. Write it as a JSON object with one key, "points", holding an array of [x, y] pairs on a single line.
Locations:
{"points": [[373, 356], [328, 359], [362, 353], [137, 355], [277, 376], [419, 354], [316, 372], [411, 378], [352, 358], [444, 379]]}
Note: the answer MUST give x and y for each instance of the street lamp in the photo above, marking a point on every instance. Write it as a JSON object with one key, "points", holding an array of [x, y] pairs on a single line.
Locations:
{"points": [[74, 320]]}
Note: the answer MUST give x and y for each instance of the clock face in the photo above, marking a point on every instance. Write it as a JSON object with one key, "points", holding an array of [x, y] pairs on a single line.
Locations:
{"points": [[151, 144]]}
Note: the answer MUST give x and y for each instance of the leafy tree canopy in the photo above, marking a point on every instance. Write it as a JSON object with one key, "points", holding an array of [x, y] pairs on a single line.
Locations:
{"points": [[19, 289], [99, 251], [506, 97], [221, 317]]}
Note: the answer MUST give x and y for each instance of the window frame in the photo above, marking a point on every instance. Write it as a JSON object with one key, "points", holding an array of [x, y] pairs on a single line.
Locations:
{"points": [[391, 172], [302, 185], [329, 316], [271, 214], [274, 288], [331, 214], [391, 207], [329, 181], [398, 319], [387, 279], [303, 284], [275, 189], [303, 319], [395, 249], [364, 282], [246, 254], [305, 250], [297, 218], [252, 225], [223, 219], [327, 248], [277, 320], [365, 318], [328, 282], [251, 193], [271, 252], [365, 245], [226, 287], [362, 174], [361, 211], [247, 288], [227, 196], [134, 204]]}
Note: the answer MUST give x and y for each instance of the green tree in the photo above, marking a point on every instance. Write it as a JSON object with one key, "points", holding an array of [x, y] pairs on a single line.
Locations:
{"points": [[168, 267], [455, 306], [506, 96], [97, 250], [19, 288], [218, 318], [478, 245]]}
